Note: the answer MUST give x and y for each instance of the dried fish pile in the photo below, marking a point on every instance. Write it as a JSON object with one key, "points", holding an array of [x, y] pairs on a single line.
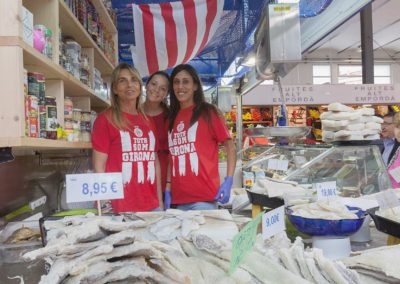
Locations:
{"points": [[78, 253], [390, 213], [379, 263], [309, 264], [325, 209]]}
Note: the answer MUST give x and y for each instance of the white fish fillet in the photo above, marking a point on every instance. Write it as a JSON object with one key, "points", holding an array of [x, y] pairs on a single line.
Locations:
{"points": [[188, 226], [328, 267], [316, 274], [118, 226], [166, 229], [287, 260], [298, 254], [383, 259]]}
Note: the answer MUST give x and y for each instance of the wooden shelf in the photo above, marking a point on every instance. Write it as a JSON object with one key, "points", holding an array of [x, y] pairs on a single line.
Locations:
{"points": [[40, 143], [105, 17], [72, 86], [72, 27]]}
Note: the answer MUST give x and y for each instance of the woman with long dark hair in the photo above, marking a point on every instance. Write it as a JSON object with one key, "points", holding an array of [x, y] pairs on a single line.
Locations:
{"points": [[156, 108], [196, 128], [124, 141]]}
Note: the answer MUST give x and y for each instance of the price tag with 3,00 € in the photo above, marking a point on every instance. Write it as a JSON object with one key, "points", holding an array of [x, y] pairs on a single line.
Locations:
{"points": [[91, 187]]}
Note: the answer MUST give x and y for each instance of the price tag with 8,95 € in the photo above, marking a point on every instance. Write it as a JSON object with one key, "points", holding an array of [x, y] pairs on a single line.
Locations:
{"points": [[273, 222], [91, 187]]}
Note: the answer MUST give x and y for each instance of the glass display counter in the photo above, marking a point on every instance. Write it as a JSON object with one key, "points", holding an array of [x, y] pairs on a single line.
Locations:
{"points": [[357, 169]]}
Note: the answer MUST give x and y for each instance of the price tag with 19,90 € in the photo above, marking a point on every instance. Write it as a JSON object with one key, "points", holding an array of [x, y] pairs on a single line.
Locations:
{"points": [[91, 187], [326, 190]]}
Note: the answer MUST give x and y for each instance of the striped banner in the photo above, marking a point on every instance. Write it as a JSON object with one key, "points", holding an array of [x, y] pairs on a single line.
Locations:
{"points": [[168, 34]]}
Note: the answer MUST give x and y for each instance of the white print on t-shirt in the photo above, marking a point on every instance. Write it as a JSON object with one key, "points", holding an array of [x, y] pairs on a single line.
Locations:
{"points": [[182, 143], [137, 150]]}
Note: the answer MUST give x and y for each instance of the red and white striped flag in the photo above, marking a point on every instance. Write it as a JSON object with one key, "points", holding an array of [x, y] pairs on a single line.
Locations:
{"points": [[168, 34]]}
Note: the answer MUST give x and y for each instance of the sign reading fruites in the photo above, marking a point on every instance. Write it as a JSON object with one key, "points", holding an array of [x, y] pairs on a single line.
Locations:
{"points": [[92, 187], [273, 222]]}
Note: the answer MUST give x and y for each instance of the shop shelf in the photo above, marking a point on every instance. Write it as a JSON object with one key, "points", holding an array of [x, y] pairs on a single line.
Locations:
{"points": [[39, 143], [72, 27], [105, 17]]}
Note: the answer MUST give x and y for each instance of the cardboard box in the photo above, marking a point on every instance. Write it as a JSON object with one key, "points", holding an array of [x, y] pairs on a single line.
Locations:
{"points": [[27, 26]]}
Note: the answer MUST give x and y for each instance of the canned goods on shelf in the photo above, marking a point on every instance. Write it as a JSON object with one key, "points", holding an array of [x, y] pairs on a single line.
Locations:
{"points": [[32, 106], [68, 108], [77, 114], [85, 116], [85, 136]]}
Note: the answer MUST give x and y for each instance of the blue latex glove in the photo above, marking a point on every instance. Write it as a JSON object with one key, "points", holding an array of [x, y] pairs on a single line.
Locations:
{"points": [[224, 191], [282, 117], [167, 199]]}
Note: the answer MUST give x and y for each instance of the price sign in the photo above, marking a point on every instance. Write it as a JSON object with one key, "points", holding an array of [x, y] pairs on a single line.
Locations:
{"points": [[278, 165], [91, 187], [243, 242], [273, 222], [325, 190], [387, 199]]}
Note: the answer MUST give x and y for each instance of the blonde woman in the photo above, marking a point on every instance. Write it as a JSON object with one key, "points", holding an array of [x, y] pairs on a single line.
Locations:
{"points": [[124, 141]]}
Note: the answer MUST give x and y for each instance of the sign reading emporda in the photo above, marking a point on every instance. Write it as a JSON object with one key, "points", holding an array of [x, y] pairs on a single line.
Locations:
{"points": [[324, 94]]}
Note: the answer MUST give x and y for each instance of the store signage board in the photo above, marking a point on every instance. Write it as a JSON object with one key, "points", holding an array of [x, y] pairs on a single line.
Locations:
{"points": [[94, 186], [278, 165], [323, 94], [273, 222], [243, 242], [325, 189], [387, 199]]}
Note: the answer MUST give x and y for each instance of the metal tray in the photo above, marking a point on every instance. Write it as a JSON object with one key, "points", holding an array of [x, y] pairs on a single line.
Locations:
{"points": [[384, 225], [278, 131], [264, 200]]}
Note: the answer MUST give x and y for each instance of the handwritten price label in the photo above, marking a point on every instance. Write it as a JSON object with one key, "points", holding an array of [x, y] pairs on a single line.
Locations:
{"points": [[243, 242], [278, 165], [91, 187], [273, 222], [326, 190]]}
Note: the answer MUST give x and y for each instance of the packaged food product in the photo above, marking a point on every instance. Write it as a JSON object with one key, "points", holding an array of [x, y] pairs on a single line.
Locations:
{"points": [[68, 108]]}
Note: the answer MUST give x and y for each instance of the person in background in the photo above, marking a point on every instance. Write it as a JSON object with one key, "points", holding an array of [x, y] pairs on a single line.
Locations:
{"points": [[196, 128], [390, 144], [155, 107], [124, 141], [393, 164]]}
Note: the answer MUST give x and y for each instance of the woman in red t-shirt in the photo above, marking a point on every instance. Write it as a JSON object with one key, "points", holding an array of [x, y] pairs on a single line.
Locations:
{"points": [[196, 128], [155, 107], [124, 140]]}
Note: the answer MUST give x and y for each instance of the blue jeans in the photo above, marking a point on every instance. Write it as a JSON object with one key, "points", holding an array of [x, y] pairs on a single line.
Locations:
{"points": [[197, 206]]}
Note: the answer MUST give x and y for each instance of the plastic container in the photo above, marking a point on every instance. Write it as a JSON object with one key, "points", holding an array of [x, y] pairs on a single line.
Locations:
{"points": [[328, 228], [51, 117], [77, 113], [68, 108]]}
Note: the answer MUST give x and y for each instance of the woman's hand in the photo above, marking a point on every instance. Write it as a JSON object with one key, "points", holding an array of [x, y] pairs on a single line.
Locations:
{"points": [[224, 191]]}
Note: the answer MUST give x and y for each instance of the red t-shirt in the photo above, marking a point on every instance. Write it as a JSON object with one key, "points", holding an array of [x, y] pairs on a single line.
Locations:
{"points": [[161, 128], [194, 157], [134, 154]]}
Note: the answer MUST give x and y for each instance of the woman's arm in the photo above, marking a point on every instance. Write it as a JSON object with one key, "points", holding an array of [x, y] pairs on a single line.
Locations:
{"points": [[99, 160], [158, 181], [231, 157]]}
